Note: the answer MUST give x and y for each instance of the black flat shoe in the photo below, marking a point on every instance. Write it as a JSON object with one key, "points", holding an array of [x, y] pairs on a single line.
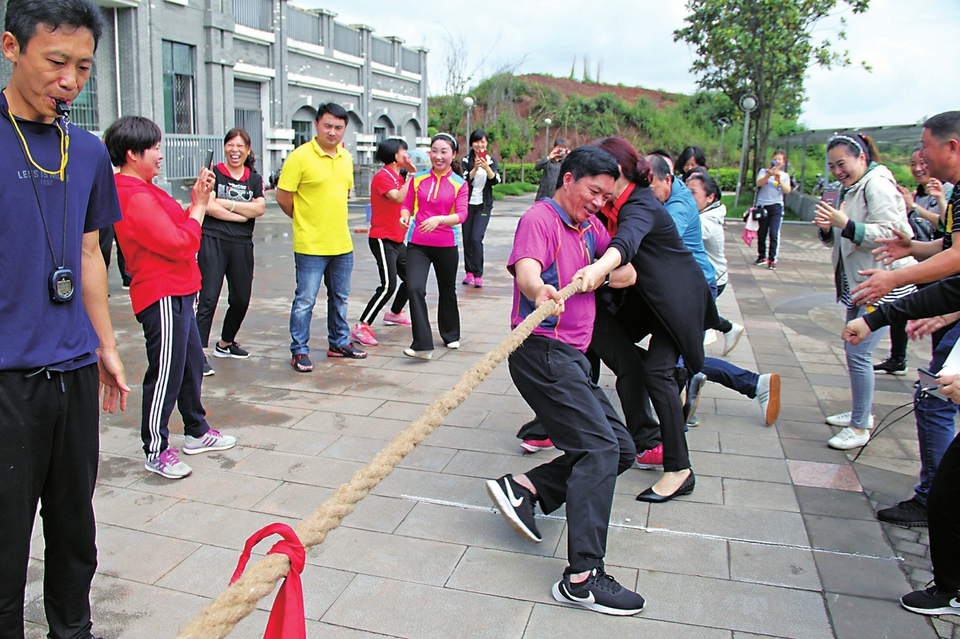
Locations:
{"points": [[685, 489]]}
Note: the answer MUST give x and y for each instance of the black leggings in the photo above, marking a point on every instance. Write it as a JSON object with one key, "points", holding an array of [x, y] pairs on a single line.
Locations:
{"points": [[218, 258], [474, 228], [391, 260], [445, 260]]}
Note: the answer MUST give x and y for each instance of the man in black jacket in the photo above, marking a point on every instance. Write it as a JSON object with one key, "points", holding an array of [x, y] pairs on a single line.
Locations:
{"points": [[550, 165]]}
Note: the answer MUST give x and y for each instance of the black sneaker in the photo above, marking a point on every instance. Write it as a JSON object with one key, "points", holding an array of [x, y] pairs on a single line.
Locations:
{"points": [[910, 514], [932, 601], [600, 592], [760, 260], [891, 366], [207, 368], [231, 350], [349, 351], [516, 505], [301, 363]]}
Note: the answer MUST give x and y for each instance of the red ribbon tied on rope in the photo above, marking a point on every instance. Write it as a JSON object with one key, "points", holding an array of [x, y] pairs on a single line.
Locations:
{"points": [[286, 619]]}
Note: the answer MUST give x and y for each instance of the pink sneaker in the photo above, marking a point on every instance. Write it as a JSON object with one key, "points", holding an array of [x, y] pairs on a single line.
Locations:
{"points": [[364, 335], [468, 280], [533, 445], [478, 282], [650, 459], [396, 319]]}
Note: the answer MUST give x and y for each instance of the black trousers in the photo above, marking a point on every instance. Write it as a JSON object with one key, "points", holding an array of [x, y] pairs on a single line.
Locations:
{"points": [[474, 228], [174, 372], [660, 363], [49, 426], [444, 260], [621, 355], [391, 260], [218, 258], [943, 518], [770, 225], [554, 378], [108, 238]]}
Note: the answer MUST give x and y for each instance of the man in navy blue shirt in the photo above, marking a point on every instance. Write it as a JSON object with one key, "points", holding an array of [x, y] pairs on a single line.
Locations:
{"points": [[57, 348]]}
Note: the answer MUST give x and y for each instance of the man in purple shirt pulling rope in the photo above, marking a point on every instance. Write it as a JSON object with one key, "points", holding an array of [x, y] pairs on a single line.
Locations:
{"points": [[554, 240]]}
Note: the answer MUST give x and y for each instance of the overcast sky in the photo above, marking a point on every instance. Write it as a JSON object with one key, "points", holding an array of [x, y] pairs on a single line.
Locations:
{"points": [[907, 42]]}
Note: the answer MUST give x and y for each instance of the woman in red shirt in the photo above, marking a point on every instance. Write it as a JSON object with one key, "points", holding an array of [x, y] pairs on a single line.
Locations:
{"points": [[387, 191]]}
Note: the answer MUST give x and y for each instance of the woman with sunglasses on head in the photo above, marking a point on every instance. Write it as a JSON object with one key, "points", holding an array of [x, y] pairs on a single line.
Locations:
{"points": [[481, 171], [433, 210], [870, 208], [388, 189], [226, 248]]}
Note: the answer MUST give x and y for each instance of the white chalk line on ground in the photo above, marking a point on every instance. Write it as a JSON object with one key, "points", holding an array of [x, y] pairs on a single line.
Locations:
{"points": [[664, 531]]}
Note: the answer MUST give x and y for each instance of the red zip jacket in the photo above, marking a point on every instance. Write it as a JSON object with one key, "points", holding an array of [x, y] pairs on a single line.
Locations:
{"points": [[159, 241]]}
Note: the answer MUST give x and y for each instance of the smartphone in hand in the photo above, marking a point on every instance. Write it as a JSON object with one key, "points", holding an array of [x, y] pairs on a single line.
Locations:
{"points": [[928, 384], [208, 159], [832, 198]]}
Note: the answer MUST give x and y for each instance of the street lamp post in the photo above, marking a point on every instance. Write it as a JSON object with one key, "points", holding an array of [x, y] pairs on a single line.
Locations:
{"points": [[468, 105], [748, 103], [723, 123], [546, 136]]}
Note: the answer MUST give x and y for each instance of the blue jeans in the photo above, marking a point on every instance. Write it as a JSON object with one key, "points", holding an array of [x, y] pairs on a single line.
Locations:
{"points": [[733, 377], [935, 420], [335, 271], [860, 368]]}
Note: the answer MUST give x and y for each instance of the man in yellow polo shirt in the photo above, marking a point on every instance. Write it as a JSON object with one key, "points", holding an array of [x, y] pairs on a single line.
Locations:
{"points": [[313, 188]]}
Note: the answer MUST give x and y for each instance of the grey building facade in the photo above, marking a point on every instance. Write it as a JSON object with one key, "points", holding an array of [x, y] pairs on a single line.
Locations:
{"points": [[200, 67]]}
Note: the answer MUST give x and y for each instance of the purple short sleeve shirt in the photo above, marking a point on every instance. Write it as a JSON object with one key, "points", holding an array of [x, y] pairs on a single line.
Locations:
{"points": [[547, 234]]}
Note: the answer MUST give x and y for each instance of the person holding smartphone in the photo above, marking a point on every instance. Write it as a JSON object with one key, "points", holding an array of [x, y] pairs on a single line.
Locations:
{"points": [[388, 190], [481, 172], [226, 248], [550, 167], [870, 208], [160, 239], [773, 183]]}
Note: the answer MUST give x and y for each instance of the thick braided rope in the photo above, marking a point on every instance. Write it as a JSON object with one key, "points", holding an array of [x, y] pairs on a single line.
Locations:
{"points": [[239, 600]]}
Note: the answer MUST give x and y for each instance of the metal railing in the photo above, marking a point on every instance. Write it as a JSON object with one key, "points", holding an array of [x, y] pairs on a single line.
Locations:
{"points": [[257, 14], [381, 51], [410, 60], [184, 154], [346, 39], [303, 25]]}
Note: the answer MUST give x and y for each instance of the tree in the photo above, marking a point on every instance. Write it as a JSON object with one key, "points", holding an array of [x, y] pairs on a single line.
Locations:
{"points": [[762, 47]]}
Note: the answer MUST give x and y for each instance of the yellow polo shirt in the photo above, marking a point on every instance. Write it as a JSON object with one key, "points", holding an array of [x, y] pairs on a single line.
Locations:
{"points": [[320, 183]]}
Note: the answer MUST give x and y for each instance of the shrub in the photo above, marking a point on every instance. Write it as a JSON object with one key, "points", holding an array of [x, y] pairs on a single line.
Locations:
{"points": [[511, 173]]}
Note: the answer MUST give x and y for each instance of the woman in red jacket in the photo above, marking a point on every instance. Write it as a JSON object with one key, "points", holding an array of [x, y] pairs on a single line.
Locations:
{"points": [[387, 191], [160, 240]]}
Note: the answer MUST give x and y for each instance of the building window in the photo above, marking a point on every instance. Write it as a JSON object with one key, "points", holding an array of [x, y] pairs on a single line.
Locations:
{"points": [[256, 14], [303, 132], [381, 133], [83, 111], [179, 103]]}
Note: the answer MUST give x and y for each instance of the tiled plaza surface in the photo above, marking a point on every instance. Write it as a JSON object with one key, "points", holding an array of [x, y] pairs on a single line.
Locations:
{"points": [[779, 539]]}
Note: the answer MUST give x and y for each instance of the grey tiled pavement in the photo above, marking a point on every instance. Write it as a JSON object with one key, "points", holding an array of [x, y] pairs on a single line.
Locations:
{"points": [[758, 550]]}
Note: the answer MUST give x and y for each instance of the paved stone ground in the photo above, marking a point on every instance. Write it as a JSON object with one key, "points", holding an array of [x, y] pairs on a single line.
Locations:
{"points": [[778, 540]]}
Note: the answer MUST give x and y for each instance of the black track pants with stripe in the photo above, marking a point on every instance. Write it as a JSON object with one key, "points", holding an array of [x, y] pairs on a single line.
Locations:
{"points": [[174, 372]]}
